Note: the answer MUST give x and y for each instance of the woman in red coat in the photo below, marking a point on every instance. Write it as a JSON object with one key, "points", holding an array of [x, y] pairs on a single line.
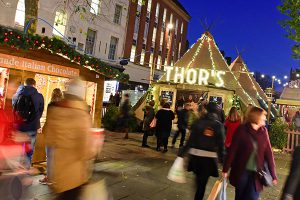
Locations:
{"points": [[231, 124], [245, 157]]}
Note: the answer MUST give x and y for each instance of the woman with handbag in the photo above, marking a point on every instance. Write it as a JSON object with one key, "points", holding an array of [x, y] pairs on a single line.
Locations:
{"points": [[149, 116], [249, 151]]}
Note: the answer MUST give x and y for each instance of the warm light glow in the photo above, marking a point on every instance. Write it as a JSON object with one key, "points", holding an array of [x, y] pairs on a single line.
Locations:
{"points": [[297, 75], [263, 76], [170, 26], [285, 77], [191, 76], [273, 77]]}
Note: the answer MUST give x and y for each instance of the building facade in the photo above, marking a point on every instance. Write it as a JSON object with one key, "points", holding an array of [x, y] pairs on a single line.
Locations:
{"points": [[156, 32], [95, 27]]}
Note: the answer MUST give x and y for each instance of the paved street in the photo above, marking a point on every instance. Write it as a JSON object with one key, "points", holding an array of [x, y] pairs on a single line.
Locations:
{"points": [[134, 173]]}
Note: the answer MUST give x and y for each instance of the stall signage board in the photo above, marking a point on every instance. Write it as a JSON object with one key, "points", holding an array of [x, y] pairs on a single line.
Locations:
{"points": [[194, 76], [20, 63]]}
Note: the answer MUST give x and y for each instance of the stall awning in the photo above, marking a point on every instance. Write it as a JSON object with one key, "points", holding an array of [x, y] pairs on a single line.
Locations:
{"points": [[288, 102]]}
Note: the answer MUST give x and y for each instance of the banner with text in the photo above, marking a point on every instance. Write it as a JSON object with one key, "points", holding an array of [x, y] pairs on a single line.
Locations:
{"points": [[20, 63]]}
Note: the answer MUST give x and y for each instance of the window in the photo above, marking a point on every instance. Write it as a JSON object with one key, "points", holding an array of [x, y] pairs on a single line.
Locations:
{"points": [[20, 13], [181, 31], [165, 15], [154, 34], [146, 29], [161, 38], [142, 60], [95, 7], [118, 14], [90, 41], [141, 2], [157, 10], [171, 19], [149, 5], [166, 61], [158, 66], [136, 24], [113, 48], [151, 60], [132, 54], [60, 23], [179, 49], [176, 26]]}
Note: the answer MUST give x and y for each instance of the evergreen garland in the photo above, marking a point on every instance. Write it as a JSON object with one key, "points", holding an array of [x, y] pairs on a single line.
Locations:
{"points": [[19, 41]]}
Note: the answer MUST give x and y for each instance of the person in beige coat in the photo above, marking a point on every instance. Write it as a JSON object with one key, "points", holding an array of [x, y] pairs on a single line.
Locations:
{"points": [[67, 131]]}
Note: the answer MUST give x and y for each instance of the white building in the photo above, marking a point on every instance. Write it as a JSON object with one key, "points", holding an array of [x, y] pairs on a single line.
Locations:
{"points": [[96, 27]]}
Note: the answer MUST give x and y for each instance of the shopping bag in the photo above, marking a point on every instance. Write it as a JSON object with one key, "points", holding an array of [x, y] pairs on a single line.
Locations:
{"points": [[222, 193], [177, 171], [215, 190], [153, 123], [95, 191]]}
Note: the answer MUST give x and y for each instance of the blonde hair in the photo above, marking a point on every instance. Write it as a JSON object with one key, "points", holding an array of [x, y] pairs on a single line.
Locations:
{"points": [[56, 95], [233, 114]]}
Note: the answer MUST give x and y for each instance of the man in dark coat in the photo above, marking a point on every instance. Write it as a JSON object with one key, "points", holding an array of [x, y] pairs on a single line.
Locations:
{"points": [[182, 123], [149, 116], [292, 186], [31, 127], [125, 116], [205, 147]]}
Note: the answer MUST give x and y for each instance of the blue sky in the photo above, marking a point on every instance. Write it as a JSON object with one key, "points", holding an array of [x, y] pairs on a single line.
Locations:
{"points": [[251, 26]]}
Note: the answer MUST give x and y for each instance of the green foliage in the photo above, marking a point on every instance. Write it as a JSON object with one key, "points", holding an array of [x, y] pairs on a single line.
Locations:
{"points": [[110, 117], [278, 137], [291, 8], [17, 40]]}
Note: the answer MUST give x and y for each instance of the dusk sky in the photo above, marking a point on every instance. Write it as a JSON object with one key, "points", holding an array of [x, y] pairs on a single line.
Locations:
{"points": [[251, 26]]}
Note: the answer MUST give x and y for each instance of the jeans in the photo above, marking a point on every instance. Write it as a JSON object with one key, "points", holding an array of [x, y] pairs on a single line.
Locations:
{"points": [[246, 190], [183, 133], [32, 135], [49, 157]]}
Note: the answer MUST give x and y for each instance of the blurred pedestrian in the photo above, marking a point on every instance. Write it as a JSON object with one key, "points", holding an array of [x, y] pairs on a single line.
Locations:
{"points": [[205, 148], [164, 117], [291, 190], [246, 113], [232, 122], [68, 134], [249, 151], [125, 115], [56, 96], [29, 105], [149, 116], [182, 124], [117, 99], [296, 120]]}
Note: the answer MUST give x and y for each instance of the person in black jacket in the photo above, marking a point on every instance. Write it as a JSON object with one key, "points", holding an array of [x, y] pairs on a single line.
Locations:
{"points": [[164, 118], [205, 147], [125, 115], [182, 123], [291, 189]]}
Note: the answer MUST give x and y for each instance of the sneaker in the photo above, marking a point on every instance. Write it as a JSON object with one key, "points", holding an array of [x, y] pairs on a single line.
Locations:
{"points": [[165, 150]]}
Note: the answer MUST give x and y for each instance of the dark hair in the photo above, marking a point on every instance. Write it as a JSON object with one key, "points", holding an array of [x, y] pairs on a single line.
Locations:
{"points": [[166, 105], [30, 82], [152, 103], [126, 95], [212, 107], [254, 114]]}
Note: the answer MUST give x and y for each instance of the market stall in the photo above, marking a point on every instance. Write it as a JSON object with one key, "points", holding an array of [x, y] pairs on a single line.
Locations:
{"points": [[202, 74]]}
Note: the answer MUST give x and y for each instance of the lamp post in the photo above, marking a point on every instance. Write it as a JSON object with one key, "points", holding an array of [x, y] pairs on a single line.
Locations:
{"points": [[269, 93]]}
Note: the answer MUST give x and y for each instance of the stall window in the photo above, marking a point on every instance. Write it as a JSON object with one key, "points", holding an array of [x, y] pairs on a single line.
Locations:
{"points": [[118, 14], [90, 41], [20, 13], [113, 48], [142, 60], [60, 23], [95, 7]]}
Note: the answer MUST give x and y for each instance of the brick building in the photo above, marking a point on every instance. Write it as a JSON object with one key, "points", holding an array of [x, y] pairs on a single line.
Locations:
{"points": [[156, 32]]}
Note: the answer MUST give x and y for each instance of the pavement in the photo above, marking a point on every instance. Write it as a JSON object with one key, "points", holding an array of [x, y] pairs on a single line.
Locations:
{"points": [[129, 172]]}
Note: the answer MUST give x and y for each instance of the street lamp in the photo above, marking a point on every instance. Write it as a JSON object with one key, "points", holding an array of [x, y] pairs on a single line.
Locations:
{"points": [[285, 77], [263, 76]]}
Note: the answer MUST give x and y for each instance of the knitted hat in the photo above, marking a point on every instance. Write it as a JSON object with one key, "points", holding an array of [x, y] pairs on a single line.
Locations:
{"points": [[77, 88]]}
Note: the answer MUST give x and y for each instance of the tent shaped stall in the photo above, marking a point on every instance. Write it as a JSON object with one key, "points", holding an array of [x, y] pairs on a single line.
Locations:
{"points": [[249, 84], [214, 78]]}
